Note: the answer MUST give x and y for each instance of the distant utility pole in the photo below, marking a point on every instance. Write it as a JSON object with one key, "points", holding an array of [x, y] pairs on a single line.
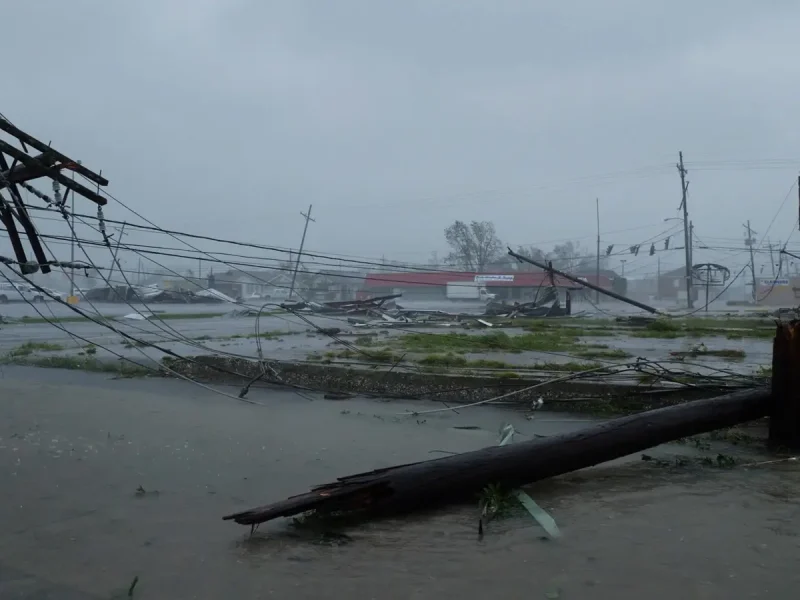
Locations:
{"points": [[686, 231], [111, 288], [749, 243], [597, 267], [72, 239], [658, 280], [771, 258], [300, 252], [623, 261]]}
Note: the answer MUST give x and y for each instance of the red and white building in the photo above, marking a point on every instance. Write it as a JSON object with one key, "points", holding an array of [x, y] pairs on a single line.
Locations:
{"points": [[518, 286]]}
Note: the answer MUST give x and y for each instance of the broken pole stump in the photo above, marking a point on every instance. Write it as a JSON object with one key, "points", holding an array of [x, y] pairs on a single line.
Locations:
{"points": [[784, 420], [453, 478]]}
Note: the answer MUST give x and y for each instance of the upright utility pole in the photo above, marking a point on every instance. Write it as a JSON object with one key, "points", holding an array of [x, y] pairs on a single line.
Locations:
{"points": [[623, 261], [300, 252], [597, 267], [72, 239], [686, 232], [749, 243]]}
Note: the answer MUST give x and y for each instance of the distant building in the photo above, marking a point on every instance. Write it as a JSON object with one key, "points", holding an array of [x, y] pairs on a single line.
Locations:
{"points": [[518, 286], [643, 289], [672, 286], [265, 283], [335, 285], [778, 291]]}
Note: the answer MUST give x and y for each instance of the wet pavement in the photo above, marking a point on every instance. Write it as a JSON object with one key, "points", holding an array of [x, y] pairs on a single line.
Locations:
{"points": [[105, 480]]}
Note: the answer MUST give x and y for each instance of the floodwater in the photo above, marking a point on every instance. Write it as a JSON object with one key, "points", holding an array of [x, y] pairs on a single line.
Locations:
{"points": [[298, 339], [75, 448]]}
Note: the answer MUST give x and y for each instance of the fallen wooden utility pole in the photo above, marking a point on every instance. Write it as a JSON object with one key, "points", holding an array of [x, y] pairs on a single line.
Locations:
{"points": [[407, 487], [549, 268]]}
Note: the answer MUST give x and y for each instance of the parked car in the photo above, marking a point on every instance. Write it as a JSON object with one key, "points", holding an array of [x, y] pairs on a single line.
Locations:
{"points": [[53, 294], [19, 292]]}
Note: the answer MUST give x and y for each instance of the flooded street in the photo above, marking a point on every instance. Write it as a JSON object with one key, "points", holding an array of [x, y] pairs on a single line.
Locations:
{"points": [[105, 480]]}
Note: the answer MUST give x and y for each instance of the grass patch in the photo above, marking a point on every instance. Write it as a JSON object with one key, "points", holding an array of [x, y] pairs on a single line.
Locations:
{"points": [[77, 363], [443, 360], [29, 348], [568, 367], [382, 355], [496, 341], [730, 354], [732, 328], [602, 353], [507, 375], [456, 360]]}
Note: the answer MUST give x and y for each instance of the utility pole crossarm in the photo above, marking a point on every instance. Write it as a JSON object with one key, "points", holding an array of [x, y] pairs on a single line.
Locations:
{"points": [[18, 166]]}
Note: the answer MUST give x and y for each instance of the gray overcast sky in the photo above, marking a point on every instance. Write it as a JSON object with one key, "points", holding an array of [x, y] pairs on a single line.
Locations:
{"points": [[396, 117]]}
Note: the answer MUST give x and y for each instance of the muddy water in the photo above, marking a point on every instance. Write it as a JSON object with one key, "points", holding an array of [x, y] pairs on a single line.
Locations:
{"points": [[75, 448]]}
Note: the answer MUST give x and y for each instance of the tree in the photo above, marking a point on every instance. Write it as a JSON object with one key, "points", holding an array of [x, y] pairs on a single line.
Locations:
{"points": [[533, 253], [474, 246]]}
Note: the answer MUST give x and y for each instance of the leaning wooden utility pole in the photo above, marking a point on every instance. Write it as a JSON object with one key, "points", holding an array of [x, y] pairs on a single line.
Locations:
{"points": [[686, 231], [548, 268], [300, 252]]}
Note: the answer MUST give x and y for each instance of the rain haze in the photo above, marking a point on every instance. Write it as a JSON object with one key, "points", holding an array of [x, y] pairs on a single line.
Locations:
{"points": [[394, 119], [248, 247]]}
